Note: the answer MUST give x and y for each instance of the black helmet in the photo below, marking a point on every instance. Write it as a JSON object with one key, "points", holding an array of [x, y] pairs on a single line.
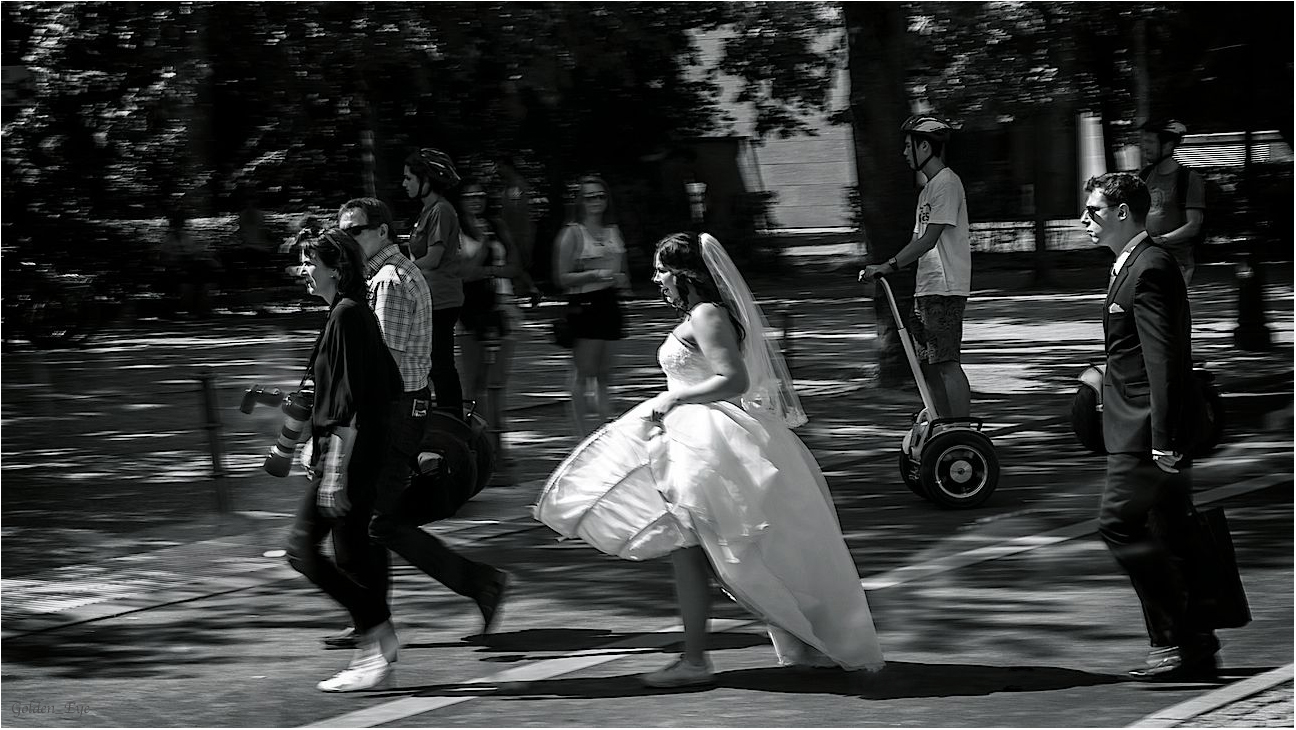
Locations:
{"points": [[930, 127], [434, 166], [1165, 127]]}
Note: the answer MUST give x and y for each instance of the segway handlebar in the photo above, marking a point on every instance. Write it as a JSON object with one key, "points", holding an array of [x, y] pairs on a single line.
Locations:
{"points": [[910, 354]]}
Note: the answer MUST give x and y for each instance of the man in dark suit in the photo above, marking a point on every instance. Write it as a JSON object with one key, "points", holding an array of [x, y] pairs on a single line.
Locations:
{"points": [[1148, 392]]}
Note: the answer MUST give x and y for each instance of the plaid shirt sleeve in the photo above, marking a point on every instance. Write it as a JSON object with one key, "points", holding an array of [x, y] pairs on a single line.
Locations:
{"points": [[395, 311]]}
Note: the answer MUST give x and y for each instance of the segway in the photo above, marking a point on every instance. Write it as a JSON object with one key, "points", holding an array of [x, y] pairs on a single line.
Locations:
{"points": [[948, 461], [454, 463], [1087, 409]]}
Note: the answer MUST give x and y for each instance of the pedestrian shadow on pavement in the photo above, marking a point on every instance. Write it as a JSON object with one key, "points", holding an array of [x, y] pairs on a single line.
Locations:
{"points": [[516, 643], [899, 680]]}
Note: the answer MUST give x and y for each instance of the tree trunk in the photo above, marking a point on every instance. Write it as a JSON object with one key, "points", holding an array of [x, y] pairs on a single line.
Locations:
{"points": [[1142, 76], [879, 64]]}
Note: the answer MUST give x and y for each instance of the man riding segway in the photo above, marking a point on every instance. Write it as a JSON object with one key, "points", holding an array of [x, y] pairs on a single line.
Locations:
{"points": [[943, 458]]}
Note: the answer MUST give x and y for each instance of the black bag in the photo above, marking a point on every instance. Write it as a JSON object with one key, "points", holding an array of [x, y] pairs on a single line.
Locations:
{"points": [[1217, 598], [1205, 412], [454, 463]]}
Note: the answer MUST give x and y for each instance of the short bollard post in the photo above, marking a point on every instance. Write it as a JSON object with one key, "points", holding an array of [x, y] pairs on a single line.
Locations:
{"points": [[1252, 331], [786, 314], [212, 424]]}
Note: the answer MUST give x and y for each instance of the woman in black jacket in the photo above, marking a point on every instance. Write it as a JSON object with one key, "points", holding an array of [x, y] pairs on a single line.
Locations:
{"points": [[355, 380]]}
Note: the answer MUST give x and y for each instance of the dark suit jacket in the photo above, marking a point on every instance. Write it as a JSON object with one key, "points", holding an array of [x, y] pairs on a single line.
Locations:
{"points": [[1149, 384]]}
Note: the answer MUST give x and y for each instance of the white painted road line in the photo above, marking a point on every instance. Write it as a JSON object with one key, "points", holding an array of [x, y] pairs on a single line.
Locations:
{"points": [[546, 669], [1212, 701], [549, 668], [1025, 543]]}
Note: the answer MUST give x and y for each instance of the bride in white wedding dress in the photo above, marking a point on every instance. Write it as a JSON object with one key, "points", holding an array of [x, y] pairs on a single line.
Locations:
{"points": [[710, 472]]}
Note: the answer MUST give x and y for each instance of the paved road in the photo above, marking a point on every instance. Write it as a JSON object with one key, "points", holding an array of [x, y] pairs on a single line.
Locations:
{"points": [[186, 621]]}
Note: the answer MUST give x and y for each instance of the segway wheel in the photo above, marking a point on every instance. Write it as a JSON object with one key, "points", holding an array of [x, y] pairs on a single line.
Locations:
{"points": [[959, 469], [909, 472]]}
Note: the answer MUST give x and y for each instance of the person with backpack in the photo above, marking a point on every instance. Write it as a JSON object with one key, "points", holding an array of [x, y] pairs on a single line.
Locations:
{"points": [[1178, 193]]}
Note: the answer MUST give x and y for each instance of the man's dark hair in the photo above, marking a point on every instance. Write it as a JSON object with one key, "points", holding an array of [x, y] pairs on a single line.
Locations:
{"points": [[376, 213], [937, 146], [1123, 187]]}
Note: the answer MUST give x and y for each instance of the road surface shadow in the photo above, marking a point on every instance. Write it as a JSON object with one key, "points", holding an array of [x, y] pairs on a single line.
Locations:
{"points": [[898, 680], [569, 640]]}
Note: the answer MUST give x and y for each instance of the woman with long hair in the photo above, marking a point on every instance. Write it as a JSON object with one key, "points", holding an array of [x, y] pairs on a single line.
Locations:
{"points": [[710, 472], [355, 381], [590, 266], [490, 319]]}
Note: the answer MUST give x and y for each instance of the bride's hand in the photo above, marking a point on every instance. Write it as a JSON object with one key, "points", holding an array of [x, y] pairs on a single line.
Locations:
{"points": [[659, 405]]}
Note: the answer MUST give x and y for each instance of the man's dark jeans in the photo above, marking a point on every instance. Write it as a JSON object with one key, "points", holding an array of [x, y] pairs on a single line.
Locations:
{"points": [[391, 532], [1146, 521]]}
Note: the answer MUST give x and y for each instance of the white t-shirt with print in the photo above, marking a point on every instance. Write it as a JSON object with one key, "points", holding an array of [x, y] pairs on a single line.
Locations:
{"points": [[945, 270]]}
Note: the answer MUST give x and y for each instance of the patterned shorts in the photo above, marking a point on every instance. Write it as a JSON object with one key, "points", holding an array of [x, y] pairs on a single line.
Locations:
{"points": [[937, 328]]}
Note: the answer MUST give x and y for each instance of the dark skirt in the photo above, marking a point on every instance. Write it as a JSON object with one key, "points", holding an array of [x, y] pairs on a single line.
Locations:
{"points": [[480, 314], [596, 315]]}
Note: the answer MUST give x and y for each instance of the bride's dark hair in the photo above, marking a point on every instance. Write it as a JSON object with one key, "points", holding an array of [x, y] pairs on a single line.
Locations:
{"points": [[682, 255]]}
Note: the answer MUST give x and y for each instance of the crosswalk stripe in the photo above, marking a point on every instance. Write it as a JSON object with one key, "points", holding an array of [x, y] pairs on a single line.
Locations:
{"points": [[536, 671]]}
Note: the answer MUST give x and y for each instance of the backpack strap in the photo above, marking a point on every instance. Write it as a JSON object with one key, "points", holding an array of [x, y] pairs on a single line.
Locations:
{"points": [[1181, 183]]}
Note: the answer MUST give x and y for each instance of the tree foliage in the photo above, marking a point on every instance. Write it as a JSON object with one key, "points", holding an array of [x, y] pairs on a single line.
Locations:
{"points": [[140, 107], [138, 104]]}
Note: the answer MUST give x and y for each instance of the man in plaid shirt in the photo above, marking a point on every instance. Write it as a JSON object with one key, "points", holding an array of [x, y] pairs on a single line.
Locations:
{"points": [[402, 302]]}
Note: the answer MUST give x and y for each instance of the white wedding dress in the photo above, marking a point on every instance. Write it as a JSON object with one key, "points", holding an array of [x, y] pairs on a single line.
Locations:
{"points": [[742, 486]]}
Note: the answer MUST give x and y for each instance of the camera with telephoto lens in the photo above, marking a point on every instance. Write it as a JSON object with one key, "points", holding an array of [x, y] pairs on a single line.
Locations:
{"points": [[296, 407]]}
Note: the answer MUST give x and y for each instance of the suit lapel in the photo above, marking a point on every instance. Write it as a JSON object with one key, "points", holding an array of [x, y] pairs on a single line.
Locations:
{"points": [[1118, 281]]}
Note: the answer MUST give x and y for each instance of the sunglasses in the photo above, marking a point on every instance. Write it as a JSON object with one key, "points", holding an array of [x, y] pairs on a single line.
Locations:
{"points": [[1092, 210], [471, 196], [595, 196], [354, 231]]}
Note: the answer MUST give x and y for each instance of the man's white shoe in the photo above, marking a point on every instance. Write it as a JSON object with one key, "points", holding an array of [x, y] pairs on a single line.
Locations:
{"points": [[682, 673], [363, 674]]}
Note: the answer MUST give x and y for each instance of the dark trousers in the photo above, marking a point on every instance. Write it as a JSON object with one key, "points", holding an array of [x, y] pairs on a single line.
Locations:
{"points": [[1146, 521], [355, 578], [444, 374], [390, 532]]}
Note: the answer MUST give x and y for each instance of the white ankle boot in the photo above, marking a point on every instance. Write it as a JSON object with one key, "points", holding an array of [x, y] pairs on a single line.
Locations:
{"points": [[372, 665], [364, 673]]}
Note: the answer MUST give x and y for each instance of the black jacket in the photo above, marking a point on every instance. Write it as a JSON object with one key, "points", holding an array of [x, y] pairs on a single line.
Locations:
{"points": [[1148, 388]]}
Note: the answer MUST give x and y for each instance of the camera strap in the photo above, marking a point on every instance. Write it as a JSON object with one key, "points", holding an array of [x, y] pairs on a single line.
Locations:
{"points": [[310, 364]]}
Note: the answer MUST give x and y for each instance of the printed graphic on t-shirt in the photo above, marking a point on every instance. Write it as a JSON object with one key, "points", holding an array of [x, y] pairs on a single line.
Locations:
{"points": [[924, 213], [1159, 199]]}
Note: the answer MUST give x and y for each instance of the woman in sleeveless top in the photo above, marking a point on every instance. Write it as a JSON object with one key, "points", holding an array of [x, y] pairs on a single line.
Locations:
{"points": [[590, 266], [490, 318]]}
